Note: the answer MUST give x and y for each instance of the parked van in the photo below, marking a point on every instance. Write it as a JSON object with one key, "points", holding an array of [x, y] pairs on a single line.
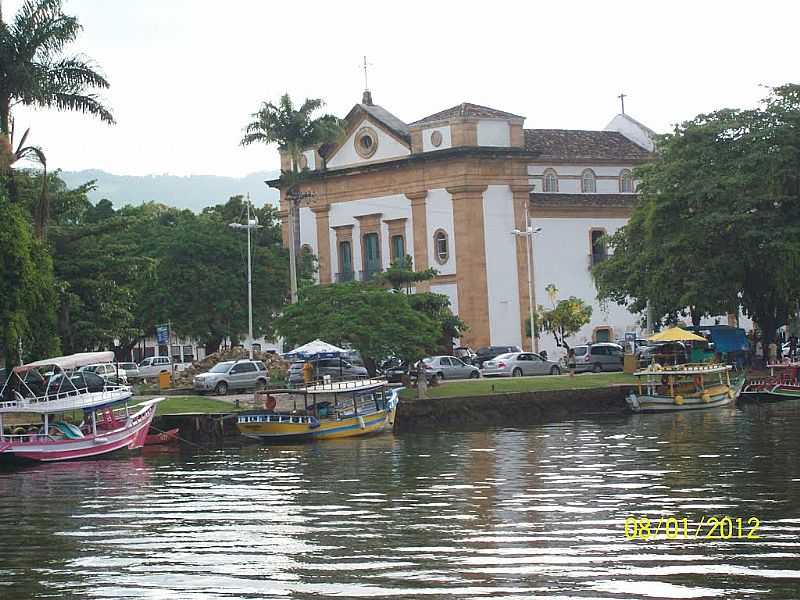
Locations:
{"points": [[604, 356]]}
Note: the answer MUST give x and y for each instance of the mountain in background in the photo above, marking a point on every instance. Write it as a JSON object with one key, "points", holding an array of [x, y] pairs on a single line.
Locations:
{"points": [[194, 192]]}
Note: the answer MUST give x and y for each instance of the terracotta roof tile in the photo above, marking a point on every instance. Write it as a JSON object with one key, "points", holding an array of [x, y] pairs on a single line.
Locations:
{"points": [[467, 109], [579, 144]]}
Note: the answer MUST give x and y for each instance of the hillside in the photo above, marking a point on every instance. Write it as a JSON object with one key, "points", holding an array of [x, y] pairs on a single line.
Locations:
{"points": [[193, 192]]}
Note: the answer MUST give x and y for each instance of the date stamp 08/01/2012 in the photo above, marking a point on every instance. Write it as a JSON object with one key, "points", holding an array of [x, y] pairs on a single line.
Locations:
{"points": [[681, 528]]}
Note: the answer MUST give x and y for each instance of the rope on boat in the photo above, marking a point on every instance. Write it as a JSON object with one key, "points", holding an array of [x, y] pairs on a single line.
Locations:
{"points": [[184, 440]]}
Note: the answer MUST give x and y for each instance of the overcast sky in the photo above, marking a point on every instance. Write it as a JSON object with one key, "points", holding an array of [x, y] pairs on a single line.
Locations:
{"points": [[186, 74]]}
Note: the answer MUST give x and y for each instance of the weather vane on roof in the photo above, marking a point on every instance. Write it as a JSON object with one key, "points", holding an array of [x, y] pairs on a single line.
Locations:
{"points": [[622, 101]]}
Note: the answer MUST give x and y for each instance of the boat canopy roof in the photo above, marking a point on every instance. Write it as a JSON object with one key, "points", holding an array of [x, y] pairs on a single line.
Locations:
{"points": [[71, 361], [688, 369], [676, 334]]}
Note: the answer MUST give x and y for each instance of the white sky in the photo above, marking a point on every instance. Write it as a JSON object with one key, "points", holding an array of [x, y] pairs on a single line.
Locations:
{"points": [[186, 74]]}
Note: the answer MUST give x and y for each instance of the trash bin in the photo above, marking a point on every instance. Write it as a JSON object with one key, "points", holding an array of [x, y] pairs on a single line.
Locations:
{"points": [[163, 380], [629, 363]]}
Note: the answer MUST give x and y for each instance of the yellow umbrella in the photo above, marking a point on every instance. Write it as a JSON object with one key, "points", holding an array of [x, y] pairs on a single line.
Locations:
{"points": [[676, 334]]}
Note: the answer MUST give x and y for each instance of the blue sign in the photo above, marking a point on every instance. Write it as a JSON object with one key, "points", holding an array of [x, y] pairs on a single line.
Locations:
{"points": [[162, 334]]}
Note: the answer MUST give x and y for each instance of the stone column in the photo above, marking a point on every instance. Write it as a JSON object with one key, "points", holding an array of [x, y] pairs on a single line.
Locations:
{"points": [[521, 194], [323, 242], [470, 248], [419, 224]]}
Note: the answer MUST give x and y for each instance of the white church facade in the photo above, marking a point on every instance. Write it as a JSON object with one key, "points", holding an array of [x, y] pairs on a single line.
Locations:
{"points": [[448, 190]]}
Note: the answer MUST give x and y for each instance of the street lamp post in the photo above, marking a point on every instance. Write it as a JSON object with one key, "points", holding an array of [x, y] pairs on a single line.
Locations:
{"points": [[116, 356], [251, 224], [529, 232]]}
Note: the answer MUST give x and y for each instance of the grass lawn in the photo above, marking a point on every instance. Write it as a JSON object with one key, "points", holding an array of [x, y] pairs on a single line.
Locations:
{"points": [[192, 404], [491, 385]]}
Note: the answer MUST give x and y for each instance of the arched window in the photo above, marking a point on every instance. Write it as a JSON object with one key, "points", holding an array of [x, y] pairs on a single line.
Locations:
{"points": [[588, 182], [550, 181], [398, 247], [598, 245], [441, 246], [626, 181]]}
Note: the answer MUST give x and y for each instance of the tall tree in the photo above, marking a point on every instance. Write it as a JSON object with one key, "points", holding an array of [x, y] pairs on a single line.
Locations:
{"points": [[718, 223]]}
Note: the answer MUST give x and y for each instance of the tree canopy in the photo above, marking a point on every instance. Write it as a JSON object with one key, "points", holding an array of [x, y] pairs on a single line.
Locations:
{"points": [[564, 320], [718, 222]]}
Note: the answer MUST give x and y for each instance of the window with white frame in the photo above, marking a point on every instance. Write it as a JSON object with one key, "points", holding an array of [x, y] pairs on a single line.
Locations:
{"points": [[441, 246], [550, 183], [588, 184], [626, 181]]}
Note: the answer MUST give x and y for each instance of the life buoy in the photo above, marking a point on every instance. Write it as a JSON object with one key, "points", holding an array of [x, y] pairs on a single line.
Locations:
{"points": [[678, 400], [706, 397], [270, 403]]}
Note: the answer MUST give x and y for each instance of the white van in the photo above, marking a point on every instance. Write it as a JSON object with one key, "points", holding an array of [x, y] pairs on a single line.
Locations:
{"points": [[151, 367]]}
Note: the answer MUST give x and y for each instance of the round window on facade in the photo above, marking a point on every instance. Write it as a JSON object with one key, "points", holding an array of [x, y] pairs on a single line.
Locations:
{"points": [[441, 246], [366, 142], [436, 139]]}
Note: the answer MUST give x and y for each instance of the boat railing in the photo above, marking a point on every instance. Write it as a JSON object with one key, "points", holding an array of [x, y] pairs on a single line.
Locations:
{"points": [[278, 418], [21, 401]]}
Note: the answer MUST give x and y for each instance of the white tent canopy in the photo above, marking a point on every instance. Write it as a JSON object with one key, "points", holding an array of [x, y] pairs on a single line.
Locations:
{"points": [[316, 347], [74, 361]]}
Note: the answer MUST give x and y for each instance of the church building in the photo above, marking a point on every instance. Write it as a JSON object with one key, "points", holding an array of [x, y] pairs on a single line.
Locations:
{"points": [[450, 188]]}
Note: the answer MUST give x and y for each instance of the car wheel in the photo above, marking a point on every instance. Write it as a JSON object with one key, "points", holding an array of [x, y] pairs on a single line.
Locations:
{"points": [[222, 388], [261, 385], [598, 368], [555, 371], [439, 377], [474, 375], [516, 372]]}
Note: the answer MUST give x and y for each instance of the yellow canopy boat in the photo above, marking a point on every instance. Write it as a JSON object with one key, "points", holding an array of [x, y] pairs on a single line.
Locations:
{"points": [[330, 410]]}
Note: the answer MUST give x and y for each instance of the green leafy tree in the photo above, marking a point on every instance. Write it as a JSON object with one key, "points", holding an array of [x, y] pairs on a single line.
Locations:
{"points": [[376, 322], [718, 223], [438, 309], [564, 320], [401, 274]]}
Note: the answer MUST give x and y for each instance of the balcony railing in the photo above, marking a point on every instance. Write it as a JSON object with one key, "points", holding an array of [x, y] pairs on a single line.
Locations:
{"points": [[345, 276]]}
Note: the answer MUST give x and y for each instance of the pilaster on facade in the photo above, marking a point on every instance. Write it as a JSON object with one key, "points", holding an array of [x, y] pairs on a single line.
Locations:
{"points": [[473, 295], [323, 242], [521, 195], [419, 221]]}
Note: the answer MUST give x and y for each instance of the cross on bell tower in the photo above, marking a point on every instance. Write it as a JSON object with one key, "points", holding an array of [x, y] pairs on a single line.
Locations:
{"points": [[622, 101], [366, 98]]}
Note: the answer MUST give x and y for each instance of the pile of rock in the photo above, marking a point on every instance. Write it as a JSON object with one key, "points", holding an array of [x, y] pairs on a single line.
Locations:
{"points": [[276, 366]]}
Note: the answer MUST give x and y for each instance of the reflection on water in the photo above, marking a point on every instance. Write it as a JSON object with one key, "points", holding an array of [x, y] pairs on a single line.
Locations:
{"points": [[501, 514]]}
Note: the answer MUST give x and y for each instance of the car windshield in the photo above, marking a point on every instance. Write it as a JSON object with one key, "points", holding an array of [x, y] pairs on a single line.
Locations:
{"points": [[221, 367], [581, 350]]}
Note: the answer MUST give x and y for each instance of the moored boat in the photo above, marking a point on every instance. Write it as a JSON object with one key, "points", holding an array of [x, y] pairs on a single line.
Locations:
{"points": [[683, 387], [783, 383], [330, 410], [53, 391]]}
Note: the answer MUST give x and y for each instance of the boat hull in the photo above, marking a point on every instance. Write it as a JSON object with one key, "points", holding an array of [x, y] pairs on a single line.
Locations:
{"points": [[265, 427], [131, 436], [653, 404], [165, 437]]}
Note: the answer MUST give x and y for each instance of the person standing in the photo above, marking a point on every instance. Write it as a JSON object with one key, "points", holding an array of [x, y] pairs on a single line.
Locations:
{"points": [[793, 347], [772, 352], [759, 349]]}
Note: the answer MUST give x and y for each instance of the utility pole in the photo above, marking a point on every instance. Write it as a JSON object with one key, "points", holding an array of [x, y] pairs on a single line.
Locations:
{"points": [[529, 233], [251, 224]]}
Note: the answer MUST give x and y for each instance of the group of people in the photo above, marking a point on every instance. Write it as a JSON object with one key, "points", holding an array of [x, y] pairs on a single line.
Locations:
{"points": [[775, 349]]}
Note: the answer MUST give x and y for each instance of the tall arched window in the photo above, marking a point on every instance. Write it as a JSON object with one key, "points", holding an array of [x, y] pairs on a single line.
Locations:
{"points": [[550, 181], [588, 182], [626, 181]]}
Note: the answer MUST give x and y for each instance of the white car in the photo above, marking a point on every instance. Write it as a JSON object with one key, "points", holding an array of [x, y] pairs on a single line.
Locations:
{"points": [[108, 371], [152, 366]]}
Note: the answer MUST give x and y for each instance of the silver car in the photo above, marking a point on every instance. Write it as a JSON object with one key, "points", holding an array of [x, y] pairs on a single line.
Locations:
{"points": [[517, 364], [108, 371], [449, 367], [232, 375]]}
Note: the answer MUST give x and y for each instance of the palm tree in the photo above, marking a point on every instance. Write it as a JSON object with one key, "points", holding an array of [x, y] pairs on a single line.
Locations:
{"points": [[34, 71], [292, 130]]}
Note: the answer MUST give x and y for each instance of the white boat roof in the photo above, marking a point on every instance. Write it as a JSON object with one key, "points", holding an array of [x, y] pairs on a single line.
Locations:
{"points": [[353, 385], [73, 361], [690, 369], [64, 402]]}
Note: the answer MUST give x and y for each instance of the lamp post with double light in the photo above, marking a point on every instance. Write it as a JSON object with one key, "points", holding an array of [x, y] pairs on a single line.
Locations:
{"points": [[249, 225], [529, 232]]}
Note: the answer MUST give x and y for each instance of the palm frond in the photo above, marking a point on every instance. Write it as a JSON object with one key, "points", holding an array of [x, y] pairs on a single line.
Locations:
{"points": [[76, 74], [84, 103]]}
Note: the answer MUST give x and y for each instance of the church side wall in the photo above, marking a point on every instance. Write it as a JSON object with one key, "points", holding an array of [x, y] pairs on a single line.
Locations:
{"points": [[501, 266], [439, 215], [561, 257]]}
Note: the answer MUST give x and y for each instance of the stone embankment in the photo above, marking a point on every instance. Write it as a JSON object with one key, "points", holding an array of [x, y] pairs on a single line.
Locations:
{"points": [[508, 409]]}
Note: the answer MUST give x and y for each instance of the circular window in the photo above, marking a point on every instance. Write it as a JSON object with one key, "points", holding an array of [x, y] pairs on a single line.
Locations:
{"points": [[436, 139], [441, 246], [366, 142]]}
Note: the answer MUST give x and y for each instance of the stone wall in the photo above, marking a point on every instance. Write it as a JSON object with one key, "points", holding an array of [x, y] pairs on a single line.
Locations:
{"points": [[507, 410]]}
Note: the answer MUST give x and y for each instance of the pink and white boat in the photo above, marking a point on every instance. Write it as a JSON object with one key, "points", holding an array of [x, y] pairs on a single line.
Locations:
{"points": [[53, 391]]}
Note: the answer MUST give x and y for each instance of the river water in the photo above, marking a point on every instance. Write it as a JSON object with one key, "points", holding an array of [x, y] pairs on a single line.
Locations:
{"points": [[509, 513]]}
